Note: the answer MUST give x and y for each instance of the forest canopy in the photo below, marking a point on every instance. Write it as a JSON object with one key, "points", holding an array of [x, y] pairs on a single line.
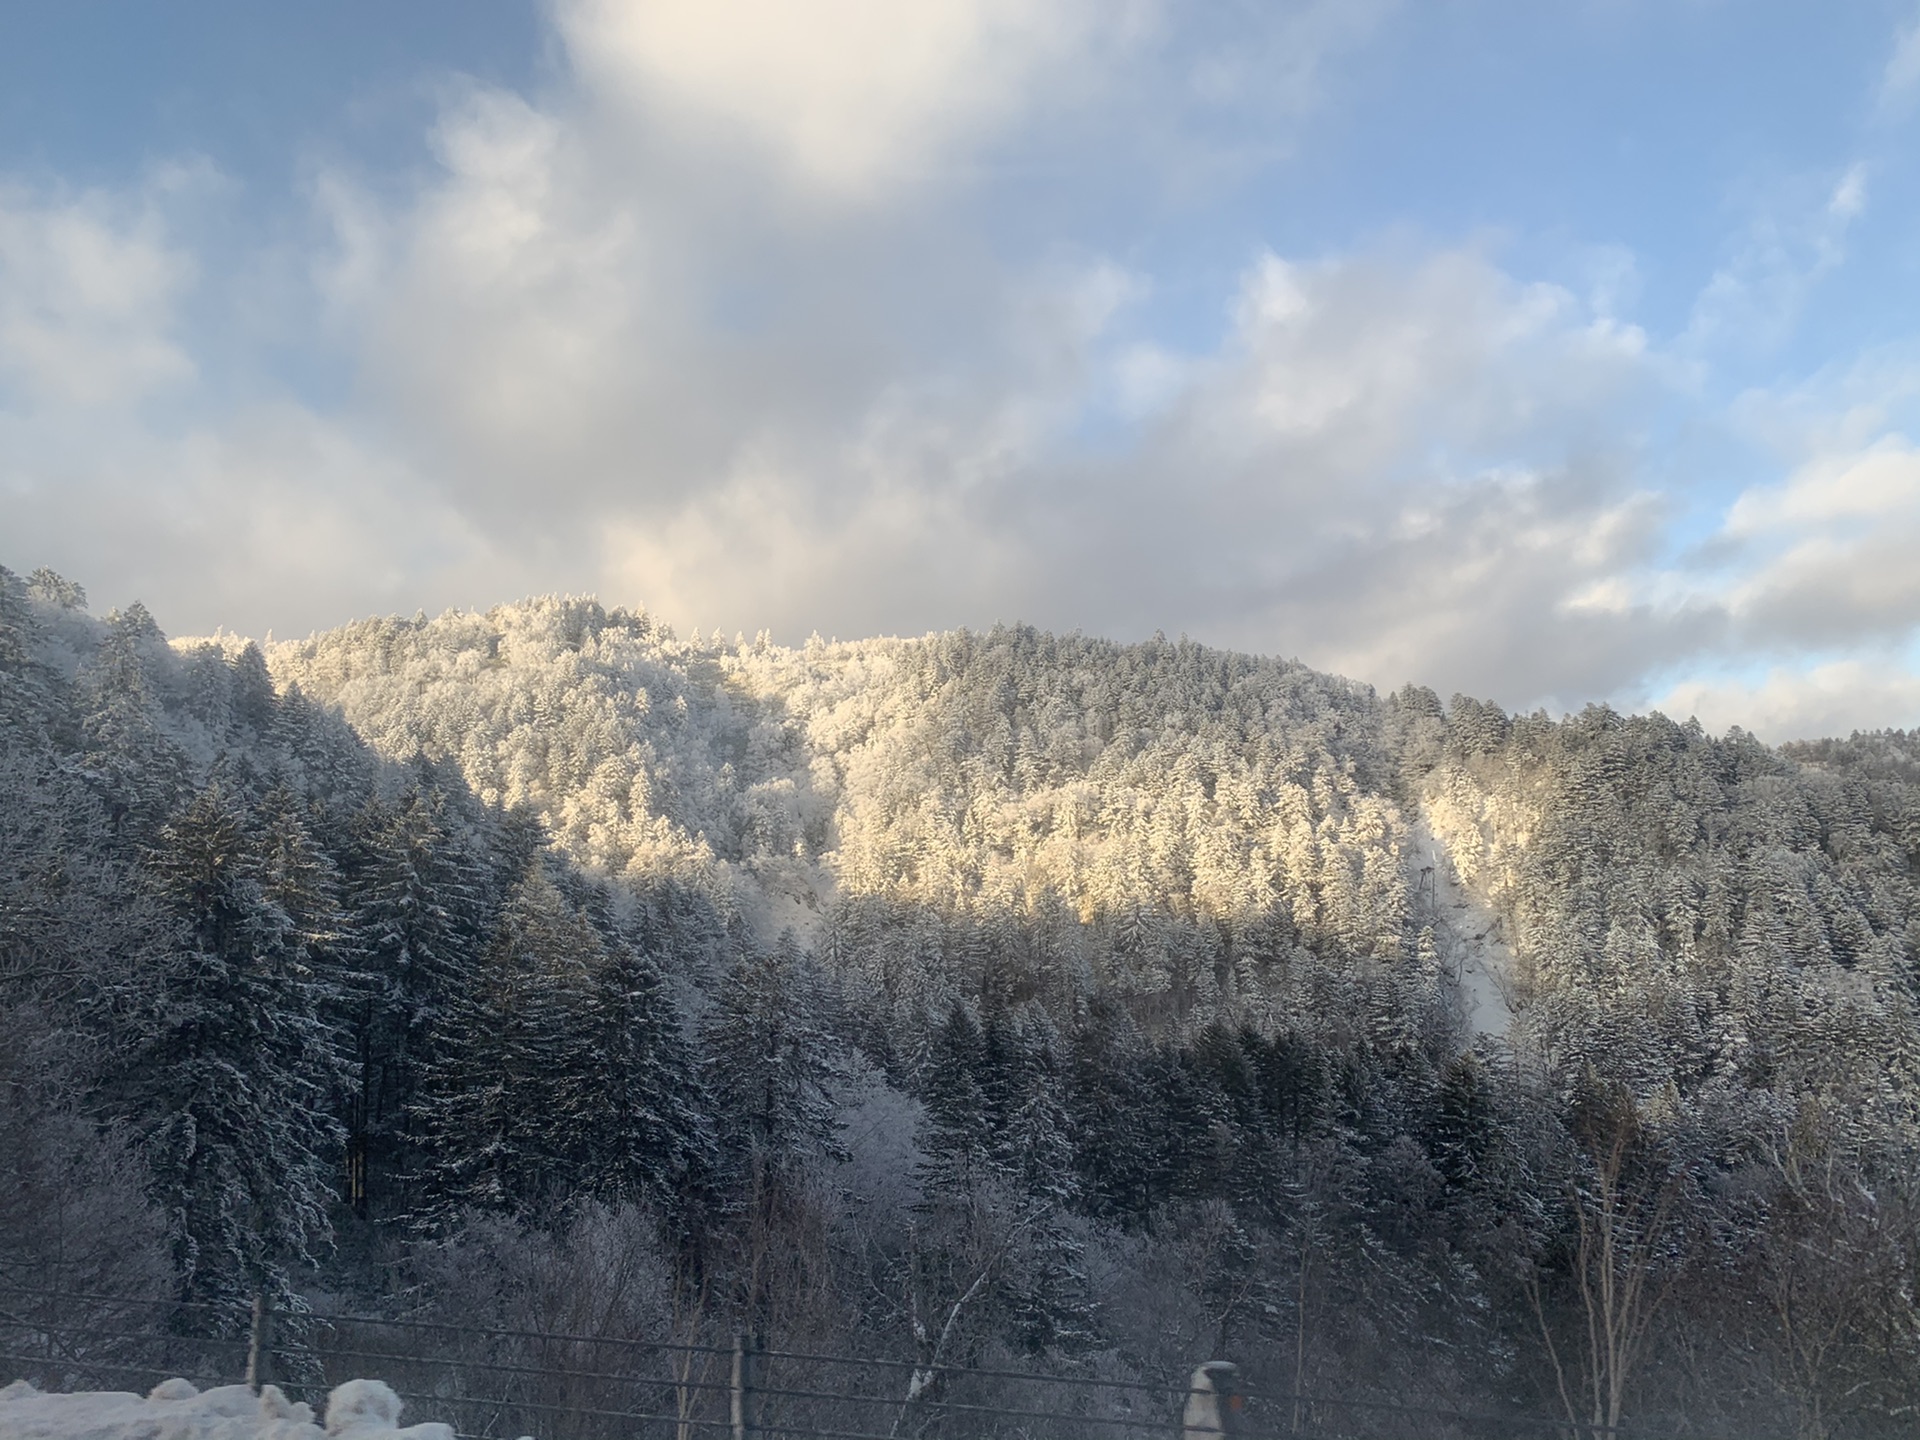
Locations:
{"points": [[1123, 1004]]}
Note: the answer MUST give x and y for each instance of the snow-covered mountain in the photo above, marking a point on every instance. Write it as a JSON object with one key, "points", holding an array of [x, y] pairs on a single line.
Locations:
{"points": [[965, 996]]}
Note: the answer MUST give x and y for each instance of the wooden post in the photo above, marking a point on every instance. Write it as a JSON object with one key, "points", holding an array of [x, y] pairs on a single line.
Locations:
{"points": [[1213, 1402], [746, 1376], [260, 1344]]}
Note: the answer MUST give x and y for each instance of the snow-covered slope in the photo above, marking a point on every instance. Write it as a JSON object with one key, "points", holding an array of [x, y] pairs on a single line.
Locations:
{"points": [[1479, 966]]}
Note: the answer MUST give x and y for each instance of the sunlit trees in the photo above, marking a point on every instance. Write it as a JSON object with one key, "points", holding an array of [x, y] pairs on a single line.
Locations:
{"points": [[581, 934]]}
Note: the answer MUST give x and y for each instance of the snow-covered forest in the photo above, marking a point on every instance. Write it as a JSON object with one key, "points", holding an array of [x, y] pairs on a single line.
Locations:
{"points": [[978, 998]]}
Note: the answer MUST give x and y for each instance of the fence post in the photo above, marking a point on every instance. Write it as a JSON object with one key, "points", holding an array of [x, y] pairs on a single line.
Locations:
{"points": [[746, 1366], [1213, 1402], [260, 1343]]}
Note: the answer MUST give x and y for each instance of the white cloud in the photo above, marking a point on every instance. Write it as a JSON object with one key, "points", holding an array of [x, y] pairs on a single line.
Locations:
{"points": [[1849, 198], [1901, 77], [1755, 298], [851, 95], [1832, 549], [1836, 698], [212, 511], [274, 517], [870, 101], [597, 349], [89, 286], [1374, 473], [1397, 463], [1880, 484]]}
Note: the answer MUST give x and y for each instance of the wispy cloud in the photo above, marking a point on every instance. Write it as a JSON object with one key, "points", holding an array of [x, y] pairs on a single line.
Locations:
{"points": [[1791, 703], [89, 290], [1757, 296], [1900, 79]]}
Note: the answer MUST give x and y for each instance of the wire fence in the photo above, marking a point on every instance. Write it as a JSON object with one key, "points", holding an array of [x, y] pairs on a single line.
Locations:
{"points": [[500, 1383]]}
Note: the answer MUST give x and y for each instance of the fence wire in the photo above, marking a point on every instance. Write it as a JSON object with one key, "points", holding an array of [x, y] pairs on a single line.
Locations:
{"points": [[498, 1383]]}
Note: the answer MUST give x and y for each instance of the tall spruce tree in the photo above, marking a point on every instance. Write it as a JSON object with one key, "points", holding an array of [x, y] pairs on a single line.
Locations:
{"points": [[417, 895], [499, 1121], [770, 1062], [224, 1065], [637, 1095], [1000, 1250], [140, 773]]}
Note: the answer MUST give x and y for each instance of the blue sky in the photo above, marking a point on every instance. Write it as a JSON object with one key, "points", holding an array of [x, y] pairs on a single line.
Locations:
{"points": [[1552, 353]]}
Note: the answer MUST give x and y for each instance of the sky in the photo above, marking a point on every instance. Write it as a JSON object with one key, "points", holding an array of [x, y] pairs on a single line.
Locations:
{"points": [[1546, 353]]}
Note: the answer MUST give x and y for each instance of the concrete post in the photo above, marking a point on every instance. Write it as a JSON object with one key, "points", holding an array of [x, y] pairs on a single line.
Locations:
{"points": [[746, 1366], [260, 1344], [1214, 1402]]}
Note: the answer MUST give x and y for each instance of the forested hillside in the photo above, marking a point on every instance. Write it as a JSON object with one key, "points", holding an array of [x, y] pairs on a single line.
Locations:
{"points": [[1178, 826], [979, 997]]}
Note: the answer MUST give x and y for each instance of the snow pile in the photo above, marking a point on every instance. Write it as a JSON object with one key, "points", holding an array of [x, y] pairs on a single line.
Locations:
{"points": [[175, 1410]]}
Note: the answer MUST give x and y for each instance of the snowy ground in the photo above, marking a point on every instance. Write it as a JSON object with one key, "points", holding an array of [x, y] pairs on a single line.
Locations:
{"points": [[175, 1410]]}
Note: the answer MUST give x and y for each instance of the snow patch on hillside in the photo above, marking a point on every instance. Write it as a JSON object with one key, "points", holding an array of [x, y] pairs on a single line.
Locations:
{"points": [[1467, 932], [175, 1410]]}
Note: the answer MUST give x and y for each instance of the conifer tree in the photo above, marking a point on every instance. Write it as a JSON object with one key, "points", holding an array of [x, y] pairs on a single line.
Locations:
{"points": [[223, 1062], [998, 1182], [499, 1122], [27, 683], [770, 1061], [140, 772], [417, 900], [960, 1134], [641, 1105]]}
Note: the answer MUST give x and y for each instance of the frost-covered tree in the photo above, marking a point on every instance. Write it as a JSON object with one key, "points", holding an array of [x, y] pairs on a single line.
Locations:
{"points": [[645, 1116], [223, 1067], [771, 1062], [501, 1127], [418, 925]]}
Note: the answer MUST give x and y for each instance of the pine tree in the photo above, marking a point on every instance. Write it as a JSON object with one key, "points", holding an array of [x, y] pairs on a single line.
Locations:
{"points": [[28, 686], [770, 1062], [641, 1105], [1115, 1137], [960, 1137], [417, 899], [1048, 1297], [497, 1116], [224, 1064], [139, 771], [998, 1182]]}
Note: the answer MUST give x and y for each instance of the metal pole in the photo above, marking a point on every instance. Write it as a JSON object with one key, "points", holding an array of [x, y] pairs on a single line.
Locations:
{"points": [[746, 1354], [260, 1344]]}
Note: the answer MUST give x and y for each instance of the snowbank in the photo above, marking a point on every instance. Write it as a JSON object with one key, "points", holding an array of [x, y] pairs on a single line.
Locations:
{"points": [[174, 1410]]}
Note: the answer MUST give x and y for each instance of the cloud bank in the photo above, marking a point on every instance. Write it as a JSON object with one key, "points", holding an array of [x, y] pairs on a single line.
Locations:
{"points": [[732, 321]]}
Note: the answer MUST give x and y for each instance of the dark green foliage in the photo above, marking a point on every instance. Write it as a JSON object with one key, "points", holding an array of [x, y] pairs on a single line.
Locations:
{"points": [[645, 1116], [418, 894], [495, 1118], [771, 1057], [281, 970], [222, 1068]]}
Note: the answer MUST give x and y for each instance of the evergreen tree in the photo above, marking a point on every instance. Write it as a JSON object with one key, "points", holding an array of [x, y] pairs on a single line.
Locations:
{"points": [[770, 1062], [27, 684], [998, 1182], [1116, 1139], [223, 1064], [960, 1133], [499, 1121], [641, 1105], [418, 933], [141, 774]]}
